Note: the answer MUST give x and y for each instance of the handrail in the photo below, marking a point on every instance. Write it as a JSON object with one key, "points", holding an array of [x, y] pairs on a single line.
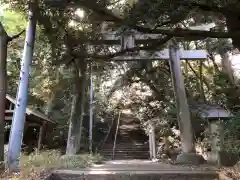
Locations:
{"points": [[114, 145]]}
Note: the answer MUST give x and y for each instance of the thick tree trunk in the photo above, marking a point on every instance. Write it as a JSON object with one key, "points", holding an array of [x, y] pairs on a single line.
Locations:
{"points": [[233, 25], [73, 132], [49, 105], [18, 121], [91, 111], [3, 87], [223, 48], [52, 95], [76, 118], [227, 66]]}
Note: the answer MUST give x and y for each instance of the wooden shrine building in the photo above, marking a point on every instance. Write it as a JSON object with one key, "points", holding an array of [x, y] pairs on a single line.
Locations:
{"points": [[35, 123]]}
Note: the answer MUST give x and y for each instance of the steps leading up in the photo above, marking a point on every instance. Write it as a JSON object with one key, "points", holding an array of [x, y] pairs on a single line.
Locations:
{"points": [[126, 151], [131, 142], [137, 170]]}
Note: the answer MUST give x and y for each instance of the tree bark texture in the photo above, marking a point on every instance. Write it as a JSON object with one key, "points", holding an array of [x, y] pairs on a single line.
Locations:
{"points": [[77, 111], [227, 66], [3, 87]]}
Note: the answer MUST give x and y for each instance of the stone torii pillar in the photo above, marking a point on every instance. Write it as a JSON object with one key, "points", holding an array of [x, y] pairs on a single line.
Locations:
{"points": [[127, 41], [152, 142], [188, 155]]}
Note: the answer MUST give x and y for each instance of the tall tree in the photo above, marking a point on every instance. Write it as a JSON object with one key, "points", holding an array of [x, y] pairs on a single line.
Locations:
{"points": [[4, 40], [3, 75], [76, 118]]}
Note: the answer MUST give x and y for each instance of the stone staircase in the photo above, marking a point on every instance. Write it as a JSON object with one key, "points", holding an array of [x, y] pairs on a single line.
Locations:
{"points": [[131, 142], [125, 150]]}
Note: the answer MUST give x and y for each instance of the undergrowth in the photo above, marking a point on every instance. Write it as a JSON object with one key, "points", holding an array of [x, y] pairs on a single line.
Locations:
{"points": [[232, 173], [38, 165]]}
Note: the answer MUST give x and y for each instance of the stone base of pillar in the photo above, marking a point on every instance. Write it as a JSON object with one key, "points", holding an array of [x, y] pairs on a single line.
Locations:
{"points": [[190, 159]]}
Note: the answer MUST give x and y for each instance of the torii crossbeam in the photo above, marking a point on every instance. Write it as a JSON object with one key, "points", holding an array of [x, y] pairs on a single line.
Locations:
{"points": [[131, 40]]}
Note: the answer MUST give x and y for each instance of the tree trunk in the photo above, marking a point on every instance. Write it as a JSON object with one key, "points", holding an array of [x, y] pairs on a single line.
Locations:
{"points": [[73, 132], [76, 118], [52, 95], [91, 111], [3, 88], [201, 79], [18, 121], [49, 105], [223, 46], [227, 66], [233, 25]]}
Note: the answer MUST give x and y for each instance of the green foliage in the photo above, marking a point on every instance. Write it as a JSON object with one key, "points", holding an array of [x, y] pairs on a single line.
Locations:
{"points": [[13, 22], [34, 165], [232, 134], [145, 86]]}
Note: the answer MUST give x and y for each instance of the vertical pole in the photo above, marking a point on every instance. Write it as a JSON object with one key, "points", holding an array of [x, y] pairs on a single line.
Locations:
{"points": [[91, 110], [17, 128], [150, 142], [153, 143], [183, 113], [25, 126], [40, 137], [127, 41], [115, 138]]}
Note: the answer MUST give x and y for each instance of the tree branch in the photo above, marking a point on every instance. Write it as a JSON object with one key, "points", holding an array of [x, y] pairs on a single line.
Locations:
{"points": [[196, 74], [151, 85], [203, 7], [15, 36], [108, 15], [178, 32], [158, 43]]}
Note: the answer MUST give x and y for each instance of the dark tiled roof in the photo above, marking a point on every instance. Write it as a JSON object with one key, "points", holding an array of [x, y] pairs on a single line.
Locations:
{"points": [[29, 111]]}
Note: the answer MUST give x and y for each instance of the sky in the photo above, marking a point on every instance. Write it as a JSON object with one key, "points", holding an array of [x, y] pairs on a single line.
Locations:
{"points": [[235, 59]]}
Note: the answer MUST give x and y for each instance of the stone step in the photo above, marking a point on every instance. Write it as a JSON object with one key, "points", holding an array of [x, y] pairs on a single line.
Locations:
{"points": [[128, 143], [132, 175], [124, 158], [130, 155], [127, 148], [126, 154], [123, 151]]}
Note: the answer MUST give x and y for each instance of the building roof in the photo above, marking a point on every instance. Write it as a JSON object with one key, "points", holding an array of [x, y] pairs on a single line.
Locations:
{"points": [[29, 111], [211, 111]]}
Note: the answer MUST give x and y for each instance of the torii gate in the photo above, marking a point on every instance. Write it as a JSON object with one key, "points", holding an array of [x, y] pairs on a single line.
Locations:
{"points": [[174, 54]]}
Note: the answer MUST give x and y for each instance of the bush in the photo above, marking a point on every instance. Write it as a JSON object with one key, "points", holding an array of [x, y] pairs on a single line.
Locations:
{"points": [[232, 135], [35, 164]]}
